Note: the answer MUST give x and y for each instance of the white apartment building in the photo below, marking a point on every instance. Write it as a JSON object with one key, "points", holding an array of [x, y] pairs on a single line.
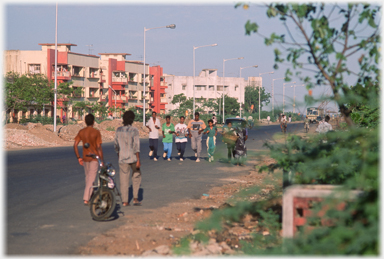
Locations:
{"points": [[208, 85]]}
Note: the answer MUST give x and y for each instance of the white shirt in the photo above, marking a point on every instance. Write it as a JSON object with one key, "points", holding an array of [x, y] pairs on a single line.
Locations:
{"points": [[154, 133], [182, 129], [268, 118]]}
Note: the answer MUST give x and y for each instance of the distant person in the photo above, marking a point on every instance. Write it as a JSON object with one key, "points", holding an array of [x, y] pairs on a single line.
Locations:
{"points": [[168, 129], [195, 128], [63, 118], [268, 119], [153, 124], [93, 137], [250, 121], [127, 147], [110, 117], [290, 118], [228, 130], [211, 132], [283, 122], [181, 137], [325, 126], [306, 123], [214, 119]]}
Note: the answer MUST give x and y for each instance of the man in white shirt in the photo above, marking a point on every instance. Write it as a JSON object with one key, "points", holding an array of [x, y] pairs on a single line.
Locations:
{"points": [[181, 137], [268, 119], [153, 125], [325, 126]]}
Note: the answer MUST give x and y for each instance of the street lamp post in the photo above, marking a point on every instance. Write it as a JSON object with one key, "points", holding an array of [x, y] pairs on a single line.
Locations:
{"points": [[255, 66], [294, 103], [224, 80], [172, 26], [284, 93], [193, 83], [55, 91], [260, 90], [115, 98], [273, 94]]}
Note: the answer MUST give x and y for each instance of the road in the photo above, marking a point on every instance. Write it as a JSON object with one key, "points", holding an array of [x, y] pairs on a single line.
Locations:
{"points": [[45, 212]]}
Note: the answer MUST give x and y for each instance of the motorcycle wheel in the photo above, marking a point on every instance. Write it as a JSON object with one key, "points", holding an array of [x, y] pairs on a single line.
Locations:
{"points": [[103, 209]]}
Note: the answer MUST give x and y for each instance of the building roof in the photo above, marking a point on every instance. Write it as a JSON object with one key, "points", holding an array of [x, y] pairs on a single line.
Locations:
{"points": [[114, 54], [209, 69], [61, 44], [88, 55]]}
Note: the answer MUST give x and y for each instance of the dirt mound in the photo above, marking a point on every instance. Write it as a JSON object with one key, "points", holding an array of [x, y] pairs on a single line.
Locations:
{"points": [[15, 126], [15, 138], [110, 124]]}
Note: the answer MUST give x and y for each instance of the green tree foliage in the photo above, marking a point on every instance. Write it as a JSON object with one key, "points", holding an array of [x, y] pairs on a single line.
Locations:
{"points": [[326, 40], [35, 90], [251, 97], [23, 91]]}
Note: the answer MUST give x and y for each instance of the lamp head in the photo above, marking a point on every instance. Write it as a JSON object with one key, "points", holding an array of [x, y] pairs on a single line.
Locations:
{"points": [[214, 45], [241, 58], [255, 66], [172, 26]]}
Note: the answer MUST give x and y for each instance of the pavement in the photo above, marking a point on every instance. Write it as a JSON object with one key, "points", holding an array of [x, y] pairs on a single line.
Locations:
{"points": [[45, 213]]}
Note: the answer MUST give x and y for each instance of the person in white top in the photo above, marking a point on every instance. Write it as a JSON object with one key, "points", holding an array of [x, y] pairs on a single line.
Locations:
{"points": [[153, 125], [181, 137], [290, 118], [268, 119], [283, 122], [325, 126]]}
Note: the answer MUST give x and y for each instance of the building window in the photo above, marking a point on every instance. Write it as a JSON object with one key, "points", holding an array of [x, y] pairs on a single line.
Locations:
{"points": [[219, 88], [200, 87], [184, 87], [34, 68], [211, 88], [236, 86]]}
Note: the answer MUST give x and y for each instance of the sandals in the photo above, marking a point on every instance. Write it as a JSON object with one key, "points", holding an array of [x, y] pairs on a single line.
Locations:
{"points": [[136, 203], [125, 204], [86, 203]]}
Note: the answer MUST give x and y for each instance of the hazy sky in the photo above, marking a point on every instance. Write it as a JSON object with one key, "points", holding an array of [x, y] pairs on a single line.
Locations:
{"points": [[118, 27]]}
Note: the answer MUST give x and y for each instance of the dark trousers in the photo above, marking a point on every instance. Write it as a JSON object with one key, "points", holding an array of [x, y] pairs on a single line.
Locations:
{"points": [[181, 148], [153, 143], [230, 148]]}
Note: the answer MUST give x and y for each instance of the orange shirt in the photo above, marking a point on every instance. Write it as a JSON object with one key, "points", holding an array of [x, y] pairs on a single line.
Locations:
{"points": [[93, 137]]}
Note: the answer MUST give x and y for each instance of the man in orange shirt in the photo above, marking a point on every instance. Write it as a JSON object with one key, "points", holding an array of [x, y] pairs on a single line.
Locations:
{"points": [[93, 137]]}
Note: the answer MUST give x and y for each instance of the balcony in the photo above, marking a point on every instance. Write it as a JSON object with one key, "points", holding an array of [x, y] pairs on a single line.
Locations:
{"points": [[163, 100], [102, 79], [62, 75], [93, 75], [120, 99], [116, 79]]}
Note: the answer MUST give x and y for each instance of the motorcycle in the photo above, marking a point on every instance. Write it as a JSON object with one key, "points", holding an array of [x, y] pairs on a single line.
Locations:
{"points": [[103, 200]]}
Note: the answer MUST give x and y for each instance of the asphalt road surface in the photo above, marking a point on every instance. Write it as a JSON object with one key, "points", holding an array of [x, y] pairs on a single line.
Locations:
{"points": [[45, 212]]}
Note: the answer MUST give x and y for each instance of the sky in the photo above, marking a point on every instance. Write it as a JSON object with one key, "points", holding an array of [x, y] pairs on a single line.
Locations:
{"points": [[118, 27]]}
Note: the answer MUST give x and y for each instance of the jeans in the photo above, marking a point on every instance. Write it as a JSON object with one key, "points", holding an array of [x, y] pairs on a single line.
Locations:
{"points": [[181, 148], [196, 144], [153, 143], [168, 148]]}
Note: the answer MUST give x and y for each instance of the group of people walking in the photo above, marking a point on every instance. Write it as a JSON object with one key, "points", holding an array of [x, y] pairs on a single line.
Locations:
{"points": [[194, 130]]}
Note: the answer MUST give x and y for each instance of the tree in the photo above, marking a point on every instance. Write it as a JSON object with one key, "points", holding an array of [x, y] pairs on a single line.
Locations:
{"points": [[325, 42], [251, 97], [231, 105], [81, 106], [23, 91]]}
